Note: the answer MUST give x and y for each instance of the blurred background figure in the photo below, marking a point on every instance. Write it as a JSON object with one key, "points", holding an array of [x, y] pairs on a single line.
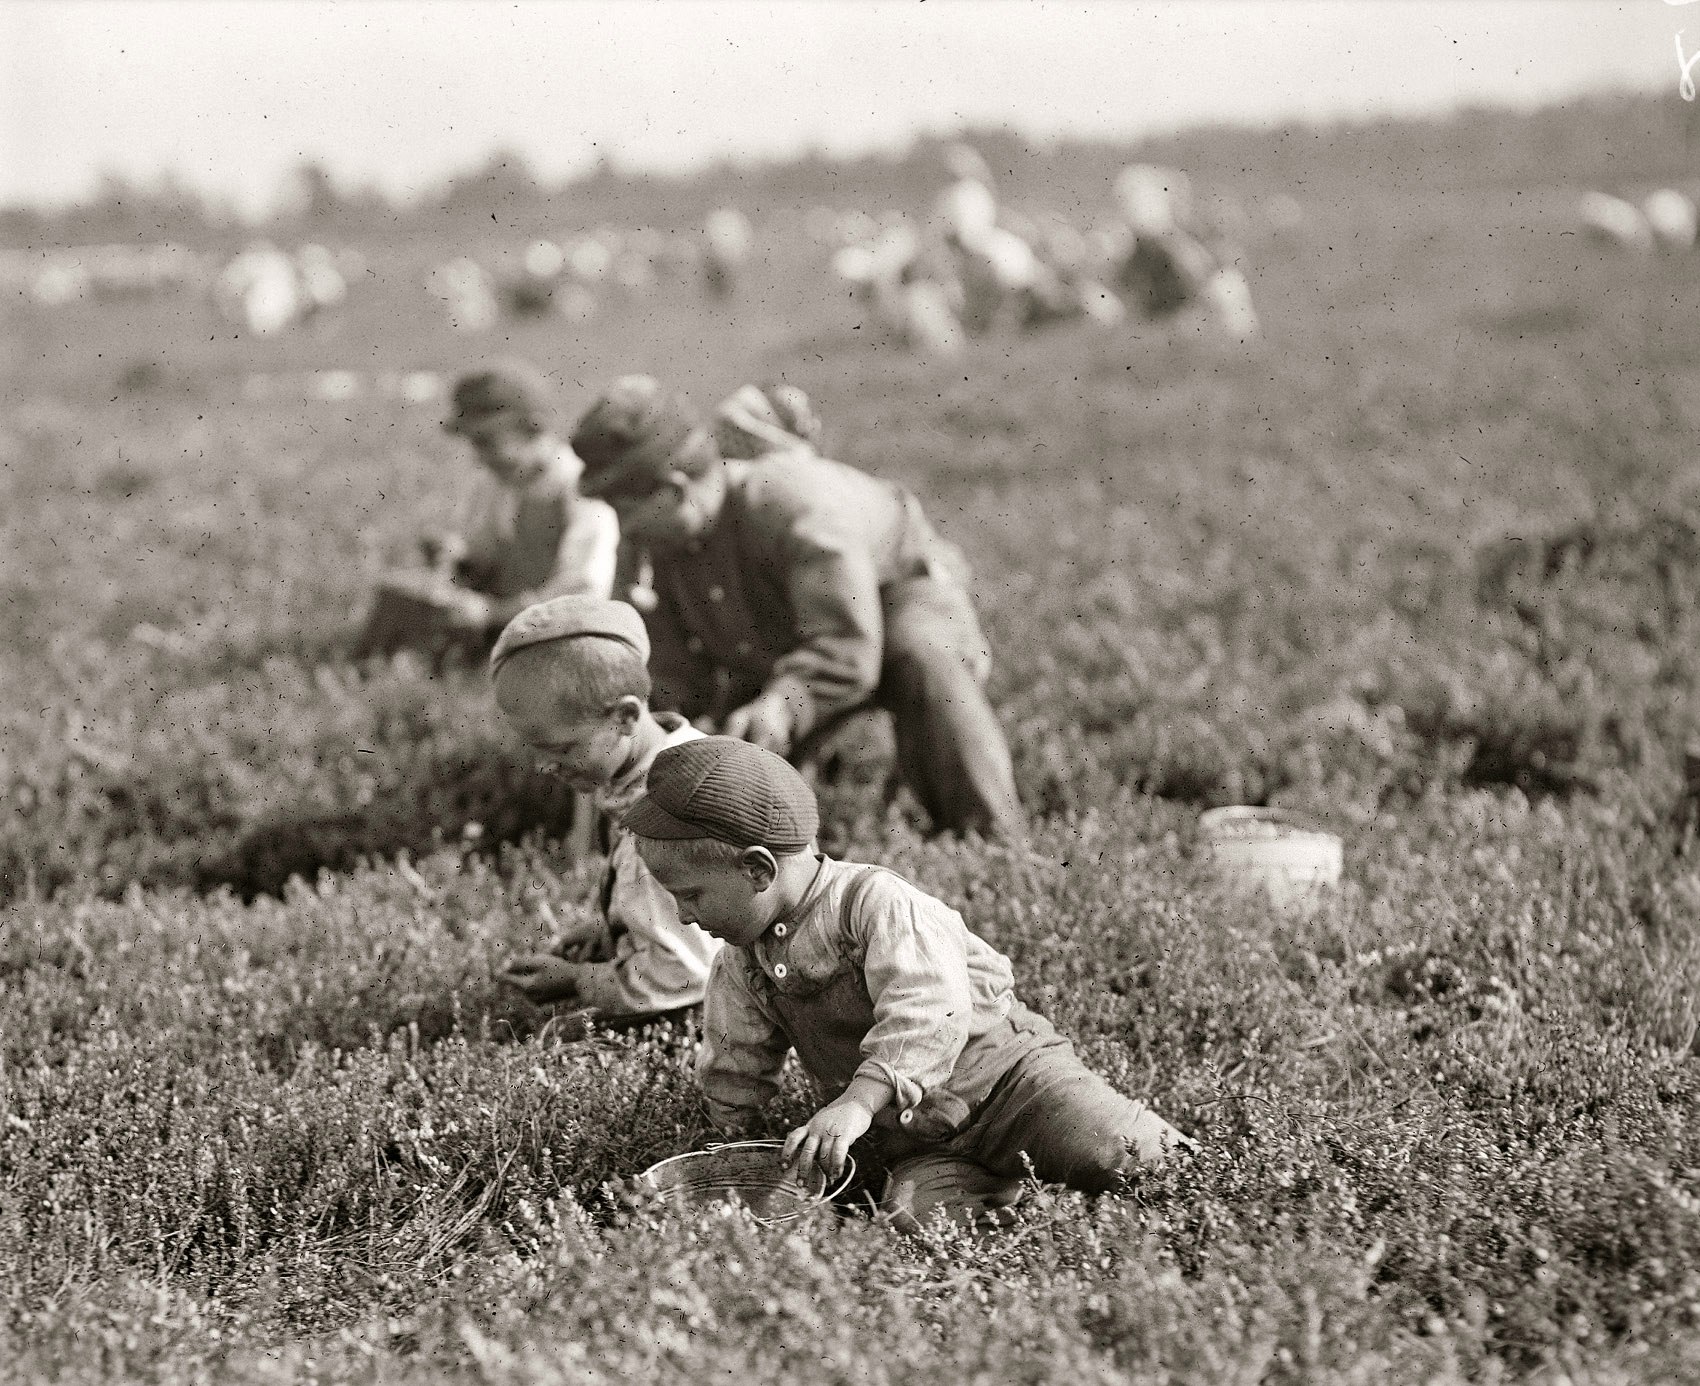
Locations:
{"points": [[1672, 219], [1614, 221], [524, 536], [467, 294], [764, 420], [1167, 262], [727, 240], [908, 288], [259, 291]]}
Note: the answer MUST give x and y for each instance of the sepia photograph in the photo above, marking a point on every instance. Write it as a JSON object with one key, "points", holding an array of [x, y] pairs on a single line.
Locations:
{"points": [[849, 691]]}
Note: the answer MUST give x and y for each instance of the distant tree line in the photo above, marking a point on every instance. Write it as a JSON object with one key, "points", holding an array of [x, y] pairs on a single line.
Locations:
{"points": [[1616, 140]]}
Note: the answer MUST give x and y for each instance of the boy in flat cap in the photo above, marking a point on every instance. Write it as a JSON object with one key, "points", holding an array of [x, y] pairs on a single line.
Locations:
{"points": [[906, 1021], [527, 535], [787, 596], [571, 677]]}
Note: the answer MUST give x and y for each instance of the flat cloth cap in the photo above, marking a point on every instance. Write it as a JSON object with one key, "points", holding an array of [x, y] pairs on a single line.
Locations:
{"points": [[722, 788], [634, 436], [567, 618], [512, 391]]}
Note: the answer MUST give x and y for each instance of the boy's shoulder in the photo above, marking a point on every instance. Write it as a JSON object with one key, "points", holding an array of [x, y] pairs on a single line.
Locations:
{"points": [[807, 485], [870, 895]]}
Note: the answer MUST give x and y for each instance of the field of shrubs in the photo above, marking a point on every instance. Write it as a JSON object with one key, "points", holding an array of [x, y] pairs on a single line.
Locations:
{"points": [[1424, 563]]}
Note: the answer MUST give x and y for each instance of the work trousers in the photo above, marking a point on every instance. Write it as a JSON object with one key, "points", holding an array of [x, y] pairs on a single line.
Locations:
{"points": [[950, 749], [1049, 1113]]}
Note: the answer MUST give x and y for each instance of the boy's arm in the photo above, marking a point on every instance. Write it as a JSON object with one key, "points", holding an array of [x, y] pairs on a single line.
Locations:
{"points": [[833, 585], [659, 963], [586, 559], [743, 1047], [917, 975]]}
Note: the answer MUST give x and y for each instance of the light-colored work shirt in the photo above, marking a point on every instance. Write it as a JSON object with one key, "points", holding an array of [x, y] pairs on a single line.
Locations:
{"points": [[868, 976], [658, 963], [540, 539]]}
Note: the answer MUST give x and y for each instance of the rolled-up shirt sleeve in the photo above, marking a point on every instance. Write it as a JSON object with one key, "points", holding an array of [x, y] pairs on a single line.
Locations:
{"points": [[743, 1048], [833, 585], [586, 558], [660, 963], [918, 981]]}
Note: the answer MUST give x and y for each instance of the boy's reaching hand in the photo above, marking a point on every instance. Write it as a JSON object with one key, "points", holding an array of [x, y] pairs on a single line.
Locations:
{"points": [[543, 978], [827, 1139]]}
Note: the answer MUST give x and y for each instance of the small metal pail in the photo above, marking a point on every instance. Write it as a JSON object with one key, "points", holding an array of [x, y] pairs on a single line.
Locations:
{"points": [[748, 1171]]}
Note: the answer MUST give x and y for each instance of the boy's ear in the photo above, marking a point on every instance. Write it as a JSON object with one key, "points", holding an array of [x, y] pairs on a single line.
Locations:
{"points": [[628, 712], [759, 866]]}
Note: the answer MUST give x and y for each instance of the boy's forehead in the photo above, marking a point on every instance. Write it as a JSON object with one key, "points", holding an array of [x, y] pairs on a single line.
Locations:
{"points": [[536, 682], [670, 866]]}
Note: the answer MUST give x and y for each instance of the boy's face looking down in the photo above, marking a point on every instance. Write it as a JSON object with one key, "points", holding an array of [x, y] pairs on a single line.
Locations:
{"points": [[586, 749], [683, 508], [732, 897], [509, 450]]}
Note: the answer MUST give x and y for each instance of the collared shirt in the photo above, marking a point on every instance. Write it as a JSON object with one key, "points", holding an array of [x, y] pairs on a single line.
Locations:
{"points": [[868, 976], [659, 963], [541, 538], [783, 594]]}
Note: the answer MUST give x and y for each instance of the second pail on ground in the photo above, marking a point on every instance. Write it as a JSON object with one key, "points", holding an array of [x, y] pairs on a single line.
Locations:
{"points": [[1282, 853]]}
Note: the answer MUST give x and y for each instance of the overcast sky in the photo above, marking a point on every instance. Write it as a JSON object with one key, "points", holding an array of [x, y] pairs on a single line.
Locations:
{"points": [[231, 93]]}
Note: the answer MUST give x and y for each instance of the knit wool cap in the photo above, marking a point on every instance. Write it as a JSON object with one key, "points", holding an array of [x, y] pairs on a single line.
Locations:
{"points": [[513, 391], [635, 436], [722, 788], [757, 419], [567, 618]]}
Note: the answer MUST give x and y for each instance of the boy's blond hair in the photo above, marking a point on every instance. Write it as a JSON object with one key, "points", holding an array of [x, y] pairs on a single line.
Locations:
{"points": [[584, 676]]}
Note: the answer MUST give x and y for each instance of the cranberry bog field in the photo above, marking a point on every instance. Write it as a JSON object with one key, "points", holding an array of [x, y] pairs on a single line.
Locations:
{"points": [[1424, 562]]}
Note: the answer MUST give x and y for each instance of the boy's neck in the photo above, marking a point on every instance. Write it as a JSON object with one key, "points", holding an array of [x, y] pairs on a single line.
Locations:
{"points": [[796, 874]]}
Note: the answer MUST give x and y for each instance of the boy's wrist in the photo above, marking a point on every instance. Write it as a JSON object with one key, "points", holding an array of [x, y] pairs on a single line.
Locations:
{"points": [[870, 1094]]}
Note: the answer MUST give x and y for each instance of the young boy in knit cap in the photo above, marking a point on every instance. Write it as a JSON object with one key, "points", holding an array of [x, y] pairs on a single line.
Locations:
{"points": [[787, 596], [527, 534], [572, 678], [906, 1021]]}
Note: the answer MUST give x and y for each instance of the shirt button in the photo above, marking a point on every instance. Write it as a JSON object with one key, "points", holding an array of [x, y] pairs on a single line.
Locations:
{"points": [[694, 645], [780, 971], [907, 1116], [779, 931], [717, 593], [743, 647]]}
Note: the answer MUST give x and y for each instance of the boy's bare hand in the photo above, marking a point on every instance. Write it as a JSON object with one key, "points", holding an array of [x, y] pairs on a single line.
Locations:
{"points": [[827, 1139], [764, 722], [544, 979]]}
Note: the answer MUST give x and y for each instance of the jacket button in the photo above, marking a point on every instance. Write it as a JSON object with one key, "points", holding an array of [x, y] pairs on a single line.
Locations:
{"points": [[907, 1116], [780, 971], [779, 931], [694, 645], [717, 593]]}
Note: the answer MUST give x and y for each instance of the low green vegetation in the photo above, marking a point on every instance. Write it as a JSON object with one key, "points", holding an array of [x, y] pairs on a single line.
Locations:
{"points": [[1424, 563]]}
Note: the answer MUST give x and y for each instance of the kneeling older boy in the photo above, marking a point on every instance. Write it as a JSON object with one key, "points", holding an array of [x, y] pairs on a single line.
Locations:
{"points": [[901, 1015]]}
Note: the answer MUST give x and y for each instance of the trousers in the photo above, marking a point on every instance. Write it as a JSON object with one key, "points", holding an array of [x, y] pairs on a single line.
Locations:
{"points": [[950, 749], [1049, 1112]]}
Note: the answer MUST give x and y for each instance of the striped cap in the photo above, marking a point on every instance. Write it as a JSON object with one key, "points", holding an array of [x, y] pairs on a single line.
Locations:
{"points": [[729, 790]]}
